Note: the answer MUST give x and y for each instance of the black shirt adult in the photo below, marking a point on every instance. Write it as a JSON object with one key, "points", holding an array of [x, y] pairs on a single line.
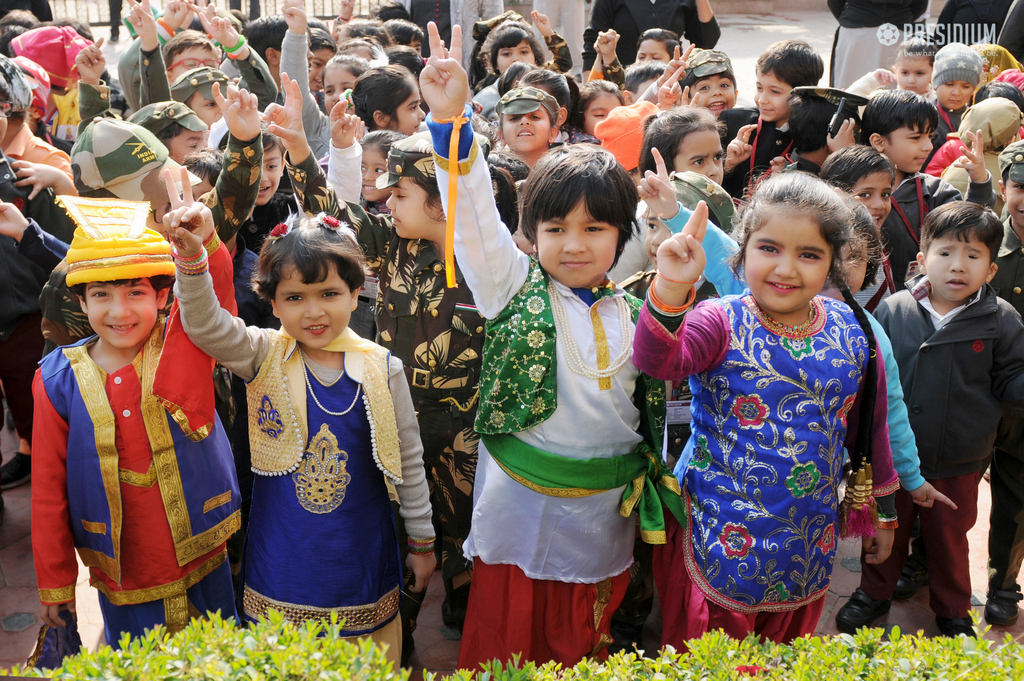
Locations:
{"points": [[868, 13], [970, 21], [1012, 35], [630, 18], [40, 8]]}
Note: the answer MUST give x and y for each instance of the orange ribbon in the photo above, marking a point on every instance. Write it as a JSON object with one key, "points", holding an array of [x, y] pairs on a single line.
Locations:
{"points": [[453, 191]]}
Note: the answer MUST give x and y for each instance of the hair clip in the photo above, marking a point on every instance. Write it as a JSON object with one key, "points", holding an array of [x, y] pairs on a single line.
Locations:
{"points": [[282, 229]]}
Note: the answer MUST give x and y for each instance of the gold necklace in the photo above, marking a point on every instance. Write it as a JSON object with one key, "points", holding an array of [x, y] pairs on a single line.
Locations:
{"points": [[777, 327]]}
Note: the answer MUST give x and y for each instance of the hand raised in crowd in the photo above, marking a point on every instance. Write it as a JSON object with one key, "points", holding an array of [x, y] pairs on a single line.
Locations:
{"points": [[12, 222], [656, 191], [884, 77], [739, 149], [973, 156], [285, 121], [241, 112], [189, 223], [543, 23], [90, 63], [443, 82], [680, 58], [605, 45], [294, 12], [221, 29], [40, 176], [681, 260], [669, 94], [177, 14], [345, 10], [346, 128], [140, 16], [844, 138]]}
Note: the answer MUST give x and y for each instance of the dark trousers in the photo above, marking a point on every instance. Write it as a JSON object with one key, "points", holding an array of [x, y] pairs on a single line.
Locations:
{"points": [[19, 357], [1006, 530], [944, 532], [115, 17]]}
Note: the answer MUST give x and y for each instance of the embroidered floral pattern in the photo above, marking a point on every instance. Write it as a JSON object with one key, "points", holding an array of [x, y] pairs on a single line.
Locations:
{"points": [[750, 410], [535, 339], [535, 305], [736, 540], [322, 478], [268, 419], [803, 479], [798, 348], [827, 543], [777, 593], [701, 455], [538, 405], [844, 411], [536, 372]]}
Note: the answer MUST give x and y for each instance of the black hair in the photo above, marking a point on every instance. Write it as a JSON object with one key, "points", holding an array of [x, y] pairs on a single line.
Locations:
{"points": [[588, 93], [848, 166], [508, 35], [205, 164], [270, 141], [565, 90], [382, 88], [513, 74], [381, 140], [998, 88], [313, 22], [170, 131], [965, 220], [506, 197], [661, 35], [406, 56], [367, 28], [404, 31], [159, 282], [266, 33], [862, 451], [809, 120], [311, 250], [7, 36], [917, 47], [319, 39], [794, 62], [569, 174], [241, 17], [392, 10], [667, 132], [510, 161], [642, 72], [866, 235], [368, 42], [20, 17], [890, 110]]}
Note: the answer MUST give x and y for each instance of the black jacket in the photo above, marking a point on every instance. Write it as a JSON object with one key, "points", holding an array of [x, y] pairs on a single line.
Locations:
{"points": [[970, 21], [630, 18], [1012, 35], [867, 13]]}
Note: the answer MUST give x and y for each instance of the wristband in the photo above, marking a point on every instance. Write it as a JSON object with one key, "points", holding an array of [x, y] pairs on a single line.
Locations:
{"points": [[163, 24], [192, 266], [676, 281], [421, 547], [885, 524], [670, 310], [237, 47]]}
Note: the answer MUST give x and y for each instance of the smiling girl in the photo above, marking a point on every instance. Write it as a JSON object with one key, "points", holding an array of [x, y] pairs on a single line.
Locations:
{"points": [[387, 98]]}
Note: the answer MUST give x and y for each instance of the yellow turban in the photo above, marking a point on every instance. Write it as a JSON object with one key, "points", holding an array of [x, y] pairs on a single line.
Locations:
{"points": [[112, 242]]}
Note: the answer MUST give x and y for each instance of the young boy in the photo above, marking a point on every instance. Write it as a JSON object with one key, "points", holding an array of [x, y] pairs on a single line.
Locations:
{"points": [[758, 136], [194, 89], [898, 124], [139, 481], [711, 81], [960, 351], [1006, 529], [656, 44], [957, 73], [811, 112]]}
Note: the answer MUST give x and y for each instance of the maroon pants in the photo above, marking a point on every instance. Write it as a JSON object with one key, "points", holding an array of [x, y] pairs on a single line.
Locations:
{"points": [[19, 358], [944, 532]]}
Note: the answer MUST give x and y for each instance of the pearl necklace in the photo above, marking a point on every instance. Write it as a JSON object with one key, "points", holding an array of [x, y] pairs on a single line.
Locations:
{"points": [[309, 387], [572, 353]]}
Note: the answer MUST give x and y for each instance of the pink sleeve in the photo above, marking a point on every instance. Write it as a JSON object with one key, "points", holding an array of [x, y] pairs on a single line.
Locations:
{"points": [[699, 344], [883, 473]]}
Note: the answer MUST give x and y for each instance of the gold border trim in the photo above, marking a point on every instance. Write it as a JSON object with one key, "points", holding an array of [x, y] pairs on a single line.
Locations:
{"points": [[256, 605], [164, 591], [463, 166], [566, 493], [216, 501], [136, 479], [95, 528], [61, 595], [382, 415]]}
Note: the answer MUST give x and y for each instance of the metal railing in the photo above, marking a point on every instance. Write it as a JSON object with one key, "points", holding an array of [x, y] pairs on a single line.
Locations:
{"points": [[97, 12]]}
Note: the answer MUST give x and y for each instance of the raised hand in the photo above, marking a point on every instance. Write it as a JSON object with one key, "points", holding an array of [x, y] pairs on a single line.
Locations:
{"points": [[605, 45], [346, 128], [142, 20], [90, 63], [679, 59], [176, 14], [656, 191], [286, 121], [973, 158], [443, 82], [241, 112], [884, 77], [189, 223], [669, 94], [294, 12], [543, 23], [739, 149], [844, 138], [681, 259]]}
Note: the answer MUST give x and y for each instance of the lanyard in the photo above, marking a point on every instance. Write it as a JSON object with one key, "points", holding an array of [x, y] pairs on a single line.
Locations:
{"points": [[922, 210], [945, 117], [888, 285], [753, 153]]}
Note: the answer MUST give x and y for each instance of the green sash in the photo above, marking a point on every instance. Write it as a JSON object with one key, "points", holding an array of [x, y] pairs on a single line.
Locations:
{"points": [[648, 481]]}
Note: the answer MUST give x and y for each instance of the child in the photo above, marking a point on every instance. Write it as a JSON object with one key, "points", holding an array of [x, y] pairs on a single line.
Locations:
{"points": [[139, 481], [688, 137], [530, 120], [898, 123], [912, 70], [194, 89], [711, 81], [741, 562], [1004, 536], [956, 77], [757, 139], [566, 93], [959, 347], [322, 49], [597, 99], [264, 36], [388, 98], [656, 44], [640, 77], [811, 112], [550, 320], [405, 32], [340, 74], [326, 460], [376, 147]]}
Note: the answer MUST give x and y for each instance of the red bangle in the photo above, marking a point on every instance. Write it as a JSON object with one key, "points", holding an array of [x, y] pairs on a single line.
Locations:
{"points": [[676, 281], [669, 309]]}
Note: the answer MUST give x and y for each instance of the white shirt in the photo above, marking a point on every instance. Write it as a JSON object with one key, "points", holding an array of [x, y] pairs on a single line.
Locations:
{"points": [[582, 539], [940, 320]]}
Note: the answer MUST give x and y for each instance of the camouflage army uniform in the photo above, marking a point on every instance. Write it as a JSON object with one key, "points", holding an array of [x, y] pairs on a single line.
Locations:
{"points": [[438, 334]]}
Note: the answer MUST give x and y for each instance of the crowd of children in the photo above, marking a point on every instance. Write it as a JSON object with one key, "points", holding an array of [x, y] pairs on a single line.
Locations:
{"points": [[585, 340]]}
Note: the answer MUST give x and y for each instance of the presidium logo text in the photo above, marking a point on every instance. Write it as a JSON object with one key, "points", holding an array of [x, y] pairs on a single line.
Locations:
{"points": [[944, 34]]}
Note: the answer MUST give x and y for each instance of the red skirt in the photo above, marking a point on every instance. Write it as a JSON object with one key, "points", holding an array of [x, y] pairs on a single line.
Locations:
{"points": [[539, 620], [686, 613]]}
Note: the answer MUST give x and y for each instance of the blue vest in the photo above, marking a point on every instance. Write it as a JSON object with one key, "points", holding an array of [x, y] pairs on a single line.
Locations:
{"points": [[197, 479], [766, 456]]}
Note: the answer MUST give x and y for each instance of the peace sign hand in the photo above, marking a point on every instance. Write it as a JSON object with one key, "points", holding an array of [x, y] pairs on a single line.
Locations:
{"points": [[443, 81], [189, 224], [973, 158], [681, 258], [656, 190]]}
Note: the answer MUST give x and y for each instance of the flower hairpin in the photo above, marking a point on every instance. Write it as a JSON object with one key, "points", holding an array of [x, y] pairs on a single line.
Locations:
{"points": [[282, 229], [335, 225]]}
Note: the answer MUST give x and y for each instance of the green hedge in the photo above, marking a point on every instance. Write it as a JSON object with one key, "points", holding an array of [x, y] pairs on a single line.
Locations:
{"points": [[214, 649]]}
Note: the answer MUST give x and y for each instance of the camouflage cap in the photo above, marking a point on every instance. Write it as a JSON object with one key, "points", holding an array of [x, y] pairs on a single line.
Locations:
{"points": [[198, 80], [692, 188], [118, 158], [704, 63], [833, 96], [482, 29], [411, 157], [156, 117], [1012, 158], [522, 100]]}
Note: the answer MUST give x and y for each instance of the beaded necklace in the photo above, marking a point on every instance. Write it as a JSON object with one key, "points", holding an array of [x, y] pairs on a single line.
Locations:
{"points": [[309, 387], [780, 329], [572, 353]]}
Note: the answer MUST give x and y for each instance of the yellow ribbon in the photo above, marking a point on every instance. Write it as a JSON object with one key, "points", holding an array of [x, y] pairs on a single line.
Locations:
{"points": [[453, 191]]}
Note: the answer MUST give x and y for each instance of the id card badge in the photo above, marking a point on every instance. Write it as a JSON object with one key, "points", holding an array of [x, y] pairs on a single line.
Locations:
{"points": [[677, 412], [370, 287], [911, 270]]}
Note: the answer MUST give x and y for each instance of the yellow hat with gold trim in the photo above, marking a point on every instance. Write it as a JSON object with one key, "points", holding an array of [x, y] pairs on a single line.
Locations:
{"points": [[112, 241]]}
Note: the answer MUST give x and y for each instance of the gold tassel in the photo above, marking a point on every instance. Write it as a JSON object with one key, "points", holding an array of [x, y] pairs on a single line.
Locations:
{"points": [[858, 515]]}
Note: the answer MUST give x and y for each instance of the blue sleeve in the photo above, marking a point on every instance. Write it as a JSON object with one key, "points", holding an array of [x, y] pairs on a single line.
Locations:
{"points": [[901, 438], [719, 248], [41, 247], [441, 133]]}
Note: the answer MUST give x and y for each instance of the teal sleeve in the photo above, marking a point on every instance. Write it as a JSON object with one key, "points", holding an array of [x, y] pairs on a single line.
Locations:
{"points": [[719, 249]]}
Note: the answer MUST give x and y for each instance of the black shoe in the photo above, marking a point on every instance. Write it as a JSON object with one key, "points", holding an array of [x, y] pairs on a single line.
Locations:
{"points": [[956, 626], [1001, 608], [860, 611], [626, 637], [16, 472], [914, 576]]}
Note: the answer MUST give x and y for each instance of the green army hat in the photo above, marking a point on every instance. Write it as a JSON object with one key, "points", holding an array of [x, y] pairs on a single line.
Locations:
{"points": [[156, 117], [117, 158], [482, 29], [411, 157], [198, 80], [1012, 157], [692, 188], [523, 100], [704, 63]]}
